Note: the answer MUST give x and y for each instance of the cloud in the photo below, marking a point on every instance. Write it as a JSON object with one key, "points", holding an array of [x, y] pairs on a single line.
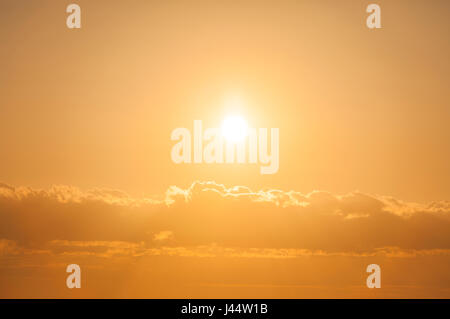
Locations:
{"points": [[109, 249], [163, 235], [207, 213], [8, 247], [211, 240]]}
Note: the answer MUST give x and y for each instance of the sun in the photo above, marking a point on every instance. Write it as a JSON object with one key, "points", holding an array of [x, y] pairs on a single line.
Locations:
{"points": [[234, 129]]}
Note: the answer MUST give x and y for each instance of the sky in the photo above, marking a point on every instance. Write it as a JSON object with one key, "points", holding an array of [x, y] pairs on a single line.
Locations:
{"points": [[86, 174]]}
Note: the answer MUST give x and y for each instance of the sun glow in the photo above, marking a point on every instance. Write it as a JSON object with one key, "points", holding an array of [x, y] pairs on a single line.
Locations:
{"points": [[234, 129]]}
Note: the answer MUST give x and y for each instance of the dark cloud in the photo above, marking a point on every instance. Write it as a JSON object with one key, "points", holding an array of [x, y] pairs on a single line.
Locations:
{"points": [[209, 213]]}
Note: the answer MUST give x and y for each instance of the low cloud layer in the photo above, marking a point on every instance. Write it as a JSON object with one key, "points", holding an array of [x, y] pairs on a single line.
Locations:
{"points": [[207, 213], [208, 240]]}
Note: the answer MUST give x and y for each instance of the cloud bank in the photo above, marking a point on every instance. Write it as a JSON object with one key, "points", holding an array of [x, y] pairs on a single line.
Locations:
{"points": [[209, 240], [207, 214]]}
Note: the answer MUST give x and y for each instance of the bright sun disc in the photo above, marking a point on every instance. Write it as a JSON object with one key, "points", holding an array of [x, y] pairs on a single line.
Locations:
{"points": [[234, 129]]}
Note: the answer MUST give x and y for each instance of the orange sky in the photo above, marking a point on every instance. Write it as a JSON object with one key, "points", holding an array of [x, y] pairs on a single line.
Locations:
{"points": [[364, 141]]}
